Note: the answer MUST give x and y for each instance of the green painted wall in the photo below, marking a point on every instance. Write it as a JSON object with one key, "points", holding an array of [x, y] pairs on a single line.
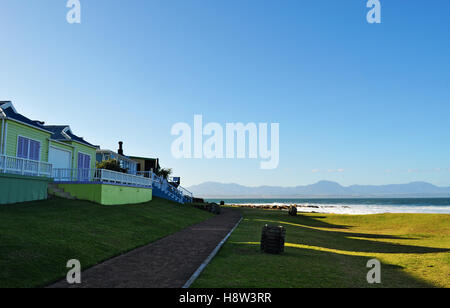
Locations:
{"points": [[14, 130], [17, 188], [106, 194], [60, 145]]}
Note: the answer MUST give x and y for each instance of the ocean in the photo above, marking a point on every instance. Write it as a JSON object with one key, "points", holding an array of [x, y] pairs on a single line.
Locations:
{"points": [[354, 206]]}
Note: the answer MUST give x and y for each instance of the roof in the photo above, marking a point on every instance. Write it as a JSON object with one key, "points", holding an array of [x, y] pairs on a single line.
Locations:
{"points": [[64, 133], [7, 108], [144, 158]]}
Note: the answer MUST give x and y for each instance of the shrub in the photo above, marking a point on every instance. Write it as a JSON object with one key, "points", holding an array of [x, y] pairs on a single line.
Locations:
{"points": [[112, 165]]}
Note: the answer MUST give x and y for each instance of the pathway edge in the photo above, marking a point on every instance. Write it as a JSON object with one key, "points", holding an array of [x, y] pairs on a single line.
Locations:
{"points": [[210, 257]]}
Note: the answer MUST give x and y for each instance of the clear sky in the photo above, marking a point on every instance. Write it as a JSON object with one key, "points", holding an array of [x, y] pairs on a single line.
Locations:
{"points": [[357, 103]]}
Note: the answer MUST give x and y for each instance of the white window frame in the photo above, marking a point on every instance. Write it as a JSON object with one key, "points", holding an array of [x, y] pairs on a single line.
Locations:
{"points": [[17, 147]]}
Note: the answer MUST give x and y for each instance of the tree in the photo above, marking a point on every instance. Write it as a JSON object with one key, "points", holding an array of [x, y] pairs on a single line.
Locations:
{"points": [[164, 172]]}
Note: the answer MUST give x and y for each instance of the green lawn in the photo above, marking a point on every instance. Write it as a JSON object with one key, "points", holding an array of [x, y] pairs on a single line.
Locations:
{"points": [[37, 239], [333, 250]]}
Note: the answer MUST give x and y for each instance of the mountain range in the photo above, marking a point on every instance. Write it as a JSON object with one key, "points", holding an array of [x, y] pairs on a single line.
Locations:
{"points": [[318, 190]]}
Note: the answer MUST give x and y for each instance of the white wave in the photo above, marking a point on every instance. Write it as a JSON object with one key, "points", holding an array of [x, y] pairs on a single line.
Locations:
{"points": [[358, 209]]}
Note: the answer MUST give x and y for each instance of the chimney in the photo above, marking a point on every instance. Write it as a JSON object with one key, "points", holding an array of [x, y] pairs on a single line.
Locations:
{"points": [[120, 151]]}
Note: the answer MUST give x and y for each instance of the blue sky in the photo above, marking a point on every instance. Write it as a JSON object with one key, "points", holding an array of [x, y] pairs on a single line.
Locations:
{"points": [[370, 101]]}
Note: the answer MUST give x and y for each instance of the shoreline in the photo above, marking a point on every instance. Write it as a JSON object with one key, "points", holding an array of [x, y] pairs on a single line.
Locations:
{"points": [[348, 209]]}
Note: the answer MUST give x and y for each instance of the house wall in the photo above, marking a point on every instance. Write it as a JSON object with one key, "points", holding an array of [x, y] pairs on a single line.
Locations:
{"points": [[65, 147], [141, 162], [18, 188], [108, 194], [61, 146], [126, 163], [78, 147], [14, 130]]}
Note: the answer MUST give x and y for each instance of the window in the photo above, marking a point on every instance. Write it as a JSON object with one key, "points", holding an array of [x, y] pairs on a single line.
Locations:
{"points": [[84, 167], [28, 149], [84, 161]]}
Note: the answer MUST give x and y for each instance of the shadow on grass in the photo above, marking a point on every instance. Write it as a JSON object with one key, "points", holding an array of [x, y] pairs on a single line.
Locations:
{"points": [[307, 268], [314, 257], [348, 241]]}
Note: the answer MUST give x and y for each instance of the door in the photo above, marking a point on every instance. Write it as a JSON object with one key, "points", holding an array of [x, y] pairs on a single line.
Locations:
{"points": [[61, 162]]}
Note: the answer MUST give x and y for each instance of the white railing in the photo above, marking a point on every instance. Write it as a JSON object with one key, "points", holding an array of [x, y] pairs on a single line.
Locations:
{"points": [[15, 165], [146, 179], [186, 192], [178, 192], [122, 178], [100, 175], [74, 175]]}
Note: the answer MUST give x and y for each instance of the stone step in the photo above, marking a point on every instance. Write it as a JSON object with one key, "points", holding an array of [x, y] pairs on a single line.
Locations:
{"points": [[54, 190]]}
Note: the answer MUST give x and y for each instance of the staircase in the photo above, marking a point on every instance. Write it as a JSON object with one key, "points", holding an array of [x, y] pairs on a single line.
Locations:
{"points": [[54, 190], [167, 195]]}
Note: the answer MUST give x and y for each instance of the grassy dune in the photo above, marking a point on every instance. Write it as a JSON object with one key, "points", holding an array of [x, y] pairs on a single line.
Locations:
{"points": [[333, 250], [37, 239]]}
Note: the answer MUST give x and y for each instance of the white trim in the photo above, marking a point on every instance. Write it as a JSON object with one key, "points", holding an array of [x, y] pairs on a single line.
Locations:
{"points": [[5, 144], [7, 105], [64, 133], [17, 147], [1, 137]]}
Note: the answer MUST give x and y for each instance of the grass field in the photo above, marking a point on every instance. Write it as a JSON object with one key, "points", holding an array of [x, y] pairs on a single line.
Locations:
{"points": [[333, 251], [37, 239]]}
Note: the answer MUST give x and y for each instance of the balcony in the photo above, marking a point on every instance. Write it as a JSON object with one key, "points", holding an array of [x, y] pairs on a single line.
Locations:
{"points": [[21, 166], [100, 176]]}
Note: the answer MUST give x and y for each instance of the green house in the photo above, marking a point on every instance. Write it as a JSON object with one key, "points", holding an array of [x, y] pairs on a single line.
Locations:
{"points": [[31, 152], [72, 157]]}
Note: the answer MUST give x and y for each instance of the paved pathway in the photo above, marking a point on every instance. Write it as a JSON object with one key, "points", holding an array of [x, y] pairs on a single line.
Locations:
{"points": [[167, 263]]}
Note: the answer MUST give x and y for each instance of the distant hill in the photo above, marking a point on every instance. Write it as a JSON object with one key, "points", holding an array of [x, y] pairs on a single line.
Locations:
{"points": [[320, 189]]}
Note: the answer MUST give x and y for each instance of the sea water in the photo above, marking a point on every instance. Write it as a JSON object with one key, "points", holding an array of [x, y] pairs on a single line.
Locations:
{"points": [[354, 206]]}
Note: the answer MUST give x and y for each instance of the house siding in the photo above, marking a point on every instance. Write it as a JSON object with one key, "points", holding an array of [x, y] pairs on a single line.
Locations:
{"points": [[61, 146], [14, 130]]}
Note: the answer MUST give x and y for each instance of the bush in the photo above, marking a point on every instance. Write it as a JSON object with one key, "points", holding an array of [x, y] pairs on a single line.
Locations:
{"points": [[112, 165]]}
